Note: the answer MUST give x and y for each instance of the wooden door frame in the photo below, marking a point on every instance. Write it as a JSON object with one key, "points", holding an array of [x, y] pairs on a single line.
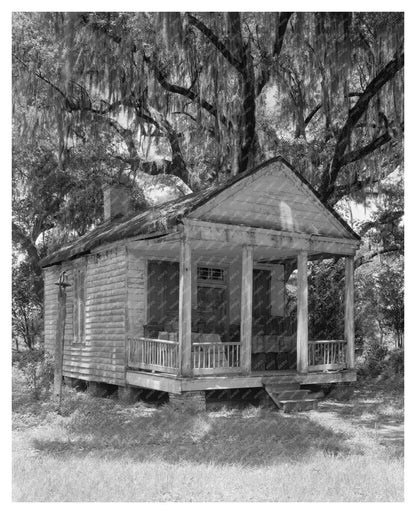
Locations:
{"points": [[224, 285]]}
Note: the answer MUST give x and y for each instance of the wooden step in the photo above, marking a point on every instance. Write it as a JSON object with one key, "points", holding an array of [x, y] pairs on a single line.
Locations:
{"points": [[317, 395], [298, 405], [291, 394], [284, 380]]}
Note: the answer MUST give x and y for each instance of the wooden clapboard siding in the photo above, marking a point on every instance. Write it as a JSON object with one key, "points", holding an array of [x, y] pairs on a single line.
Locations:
{"points": [[100, 356], [51, 276]]}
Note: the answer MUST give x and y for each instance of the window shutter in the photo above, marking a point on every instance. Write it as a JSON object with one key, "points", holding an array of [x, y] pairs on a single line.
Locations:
{"points": [[76, 309], [81, 305]]}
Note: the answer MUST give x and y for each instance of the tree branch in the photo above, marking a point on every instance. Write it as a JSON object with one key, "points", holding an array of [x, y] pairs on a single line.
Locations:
{"points": [[160, 76], [364, 259], [24, 241], [282, 20], [215, 40], [312, 114], [187, 93], [354, 115], [360, 153]]}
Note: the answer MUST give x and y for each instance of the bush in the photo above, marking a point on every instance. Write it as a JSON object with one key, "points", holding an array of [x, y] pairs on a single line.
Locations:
{"points": [[380, 362], [37, 369], [395, 360], [374, 356]]}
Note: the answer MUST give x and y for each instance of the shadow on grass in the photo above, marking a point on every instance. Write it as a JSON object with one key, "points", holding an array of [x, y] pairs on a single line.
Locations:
{"points": [[372, 407], [251, 436]]}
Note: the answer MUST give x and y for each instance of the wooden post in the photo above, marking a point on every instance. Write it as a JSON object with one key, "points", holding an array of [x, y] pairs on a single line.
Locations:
{"points": [[185, 308], [246, 307], [302, 298], [59, 342], [349, 311]]}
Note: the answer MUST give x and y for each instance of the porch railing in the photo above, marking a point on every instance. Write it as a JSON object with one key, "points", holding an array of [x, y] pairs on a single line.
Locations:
{"points": [[214, 358], [327, 355], [153, 354], [208, 358]]}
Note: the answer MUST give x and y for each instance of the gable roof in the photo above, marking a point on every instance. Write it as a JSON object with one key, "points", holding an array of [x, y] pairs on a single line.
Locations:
{"points": [[162, 218]]}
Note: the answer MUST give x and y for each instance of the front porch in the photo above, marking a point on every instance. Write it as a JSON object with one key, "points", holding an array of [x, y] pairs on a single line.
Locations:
{"points": [[217, 358], [173, 384], [188, 359]]}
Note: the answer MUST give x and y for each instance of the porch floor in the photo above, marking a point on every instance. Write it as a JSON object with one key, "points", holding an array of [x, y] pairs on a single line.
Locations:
{"points": [[173, 384]]}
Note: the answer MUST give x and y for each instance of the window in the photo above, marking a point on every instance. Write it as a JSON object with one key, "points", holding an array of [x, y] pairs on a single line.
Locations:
{"points": [[79, 305], [213, 274], [163, 292]]}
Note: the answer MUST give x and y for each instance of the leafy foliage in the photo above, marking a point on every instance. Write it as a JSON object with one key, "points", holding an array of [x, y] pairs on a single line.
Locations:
{"points": [[37, 370], [326, 300], [26, 304], [118, 96], [237, 82]]}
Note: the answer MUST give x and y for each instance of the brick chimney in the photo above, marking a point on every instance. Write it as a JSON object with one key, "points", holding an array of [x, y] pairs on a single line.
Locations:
{"points": [[117, 198]]}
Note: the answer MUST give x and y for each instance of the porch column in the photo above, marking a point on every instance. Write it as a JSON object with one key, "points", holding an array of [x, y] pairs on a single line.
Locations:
{"points": [[349, 311], [185, 308], [302, 311], [246, 307]]}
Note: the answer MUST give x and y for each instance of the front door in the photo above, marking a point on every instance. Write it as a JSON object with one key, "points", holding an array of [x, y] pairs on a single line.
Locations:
{"points": [[212, 310], [212, 301]]}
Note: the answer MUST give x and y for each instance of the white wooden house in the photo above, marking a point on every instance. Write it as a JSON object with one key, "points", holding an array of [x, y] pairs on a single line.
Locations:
{"points": [[189, 296]]}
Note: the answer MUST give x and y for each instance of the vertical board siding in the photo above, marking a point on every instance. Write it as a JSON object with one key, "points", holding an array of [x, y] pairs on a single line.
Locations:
{"points": [[51, 275], [136, 295], [101, 356]]}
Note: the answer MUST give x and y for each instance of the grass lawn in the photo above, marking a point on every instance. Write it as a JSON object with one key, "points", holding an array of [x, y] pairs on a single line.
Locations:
{"points": [[351, 449]]}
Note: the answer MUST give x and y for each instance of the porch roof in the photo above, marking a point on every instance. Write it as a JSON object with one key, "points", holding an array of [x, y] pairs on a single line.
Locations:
{"points": [[162, 219]]}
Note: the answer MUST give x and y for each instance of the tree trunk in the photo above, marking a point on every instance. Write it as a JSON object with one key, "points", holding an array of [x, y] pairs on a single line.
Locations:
{"points": [[248, 126]]}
